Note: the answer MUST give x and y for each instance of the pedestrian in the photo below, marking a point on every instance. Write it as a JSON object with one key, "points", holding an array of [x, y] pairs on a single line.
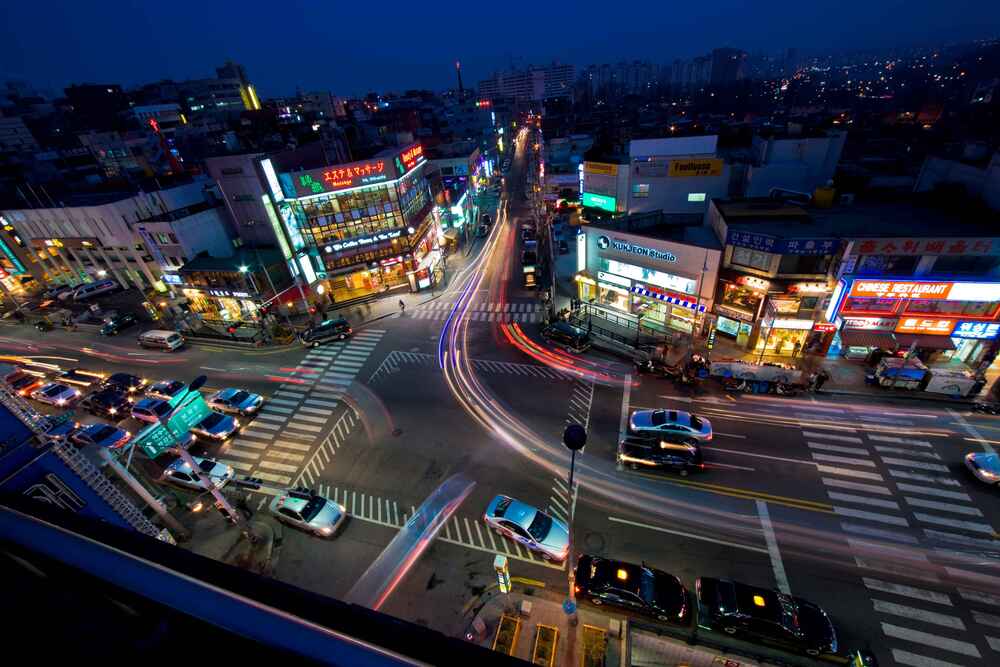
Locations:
{"points": [[821, 379], [402, 306], [796, 348]]}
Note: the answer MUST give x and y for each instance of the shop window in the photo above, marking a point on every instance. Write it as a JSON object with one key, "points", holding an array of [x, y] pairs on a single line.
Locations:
{"points": [[964, 265], [899, 265], [807, 264], [743, 298], [753, 259], [640, 190], [615, 297], [865, 305], [968, 308], [808, 302]]}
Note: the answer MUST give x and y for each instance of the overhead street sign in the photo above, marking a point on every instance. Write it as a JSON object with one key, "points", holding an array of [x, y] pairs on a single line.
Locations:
{"points": [[154, 440], [192, 411]]}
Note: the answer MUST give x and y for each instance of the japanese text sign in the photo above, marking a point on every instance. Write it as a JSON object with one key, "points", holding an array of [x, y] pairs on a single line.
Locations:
{"points": [[925, 325], [901, 289], [341, 177]]}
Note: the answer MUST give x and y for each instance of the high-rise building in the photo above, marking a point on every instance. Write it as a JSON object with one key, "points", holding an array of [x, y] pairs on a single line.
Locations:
{"points": [[532, 84], [728, 66]]}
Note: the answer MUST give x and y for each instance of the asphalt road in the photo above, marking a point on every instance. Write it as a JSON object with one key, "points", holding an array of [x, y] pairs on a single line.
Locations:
{"points": [[861, 506]]}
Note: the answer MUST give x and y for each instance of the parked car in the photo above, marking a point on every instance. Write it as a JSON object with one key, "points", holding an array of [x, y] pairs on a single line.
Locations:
{"points": [[55, 292], [651, 451], [99, 288], [984, 467], [101, 435], [108, 403], [691, 428], [54, 393], [764, 616], [165, 389], [125, 382], [335, 329], [637, 588], [118, 323], [236, 401], [566, 334], [181, 474], [24, 382], [533, 528], [80, 377], [216, 426], [151, 410], [309, 511]]}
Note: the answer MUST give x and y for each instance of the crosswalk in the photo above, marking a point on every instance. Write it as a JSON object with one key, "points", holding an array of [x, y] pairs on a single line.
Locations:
{"points": [[482, 312], [395, 360], [289, 438], [898, 503]]}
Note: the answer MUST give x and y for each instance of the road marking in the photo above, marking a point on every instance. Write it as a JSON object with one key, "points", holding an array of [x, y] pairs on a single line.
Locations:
{"points": [[278, 466], [731, 435], [276, 408], [316, 401], [863, 500], [980, 597], [846, 472], [906, 452], [871, 516], [937, 641], [284, 456], [914, 660], [273, 418], [956, 538], [955, 523], [304, 427], [684, 399], [282, 401], [943, 507], [244, 443], [689, 535], [915, 614], [626, 396], [314, 411], [780, 578], [906, 591], [857, 486], [310, 418], [899, 441], [993, 642], [931, 491], [241, 454], [740, 452], [745, 494], [846, 460], [837, 448], [968, 428], [983, 618], [558, 505], [239, 465], [270, 477], [869, 531], [831, 436], [940, 479]]}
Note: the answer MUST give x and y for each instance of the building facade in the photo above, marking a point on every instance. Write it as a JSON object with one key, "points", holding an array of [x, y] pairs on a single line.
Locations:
{"points": [[678, 176]]}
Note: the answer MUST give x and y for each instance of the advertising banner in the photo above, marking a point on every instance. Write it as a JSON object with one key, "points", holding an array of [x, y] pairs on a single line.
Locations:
{"points": [[689, 168]]}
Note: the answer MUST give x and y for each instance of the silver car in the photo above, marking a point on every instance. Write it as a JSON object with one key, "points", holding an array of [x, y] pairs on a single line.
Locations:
{"points": [[984, 467], [681, 426], [217, 426], [236, 401], [532, 527], [56, 394], [181, 474], [309, 511]]}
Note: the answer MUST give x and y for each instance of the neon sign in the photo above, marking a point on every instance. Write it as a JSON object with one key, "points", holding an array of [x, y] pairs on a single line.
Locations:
{"points": [[411, 157], [928, 326], [901, 289], [976, 330], [364, 240]]}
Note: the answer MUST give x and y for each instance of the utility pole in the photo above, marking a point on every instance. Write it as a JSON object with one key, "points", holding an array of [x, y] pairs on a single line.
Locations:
{"points": [[574, 438]]}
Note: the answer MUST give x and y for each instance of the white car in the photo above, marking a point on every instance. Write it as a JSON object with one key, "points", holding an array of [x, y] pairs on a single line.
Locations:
{"points": [[181, 474], [309, 511], [54, 393]]}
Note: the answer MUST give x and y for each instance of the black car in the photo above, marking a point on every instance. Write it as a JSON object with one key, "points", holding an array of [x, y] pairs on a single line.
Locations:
{"points": [[337, 329], [660, 451], [126, 383], [80, 377], [108, 403], [764, 616], [118, 323], [638, 588], [568, 335]]}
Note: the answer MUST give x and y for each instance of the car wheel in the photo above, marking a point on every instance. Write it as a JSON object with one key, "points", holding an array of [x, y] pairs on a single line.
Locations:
{"points": [[663, 618], [729, 631], [683, 472], [690, 441], [314, 345], [812, 651], [597, 602]]}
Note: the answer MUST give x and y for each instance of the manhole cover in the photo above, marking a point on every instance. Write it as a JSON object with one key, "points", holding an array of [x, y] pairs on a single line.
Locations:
{"points": [[594, 542]]}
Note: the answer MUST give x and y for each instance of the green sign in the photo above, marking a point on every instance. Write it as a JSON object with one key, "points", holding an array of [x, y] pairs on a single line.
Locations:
{"points": [[599, 201], [154, 440], [157, 438], [192, 411]]}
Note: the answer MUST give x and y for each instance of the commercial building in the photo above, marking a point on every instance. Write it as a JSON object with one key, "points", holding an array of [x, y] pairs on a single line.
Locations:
{"points": [[676, 175], [663, 274], [793, 163], [533, 84], [604, 187], [360, 229]]}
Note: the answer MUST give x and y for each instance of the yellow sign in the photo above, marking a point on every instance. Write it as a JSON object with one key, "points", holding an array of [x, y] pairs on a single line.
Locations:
{"points": [[600, 168], [707, 167]]}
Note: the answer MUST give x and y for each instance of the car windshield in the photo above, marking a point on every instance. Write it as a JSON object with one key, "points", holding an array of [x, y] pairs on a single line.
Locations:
{"points": [[502, 506], [207, 465], [658, 418], [211, 420], [696, 423], [54, 390], [313, 507], [239, 397], [102, 433], [171, 387], [539, 527]]}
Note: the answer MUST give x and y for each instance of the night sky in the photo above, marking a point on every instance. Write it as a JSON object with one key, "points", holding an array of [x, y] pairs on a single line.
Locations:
{"points": [[351, 47]]}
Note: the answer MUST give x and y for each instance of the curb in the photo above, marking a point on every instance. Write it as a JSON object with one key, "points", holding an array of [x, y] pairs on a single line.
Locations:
{"points": [[905, 397]]}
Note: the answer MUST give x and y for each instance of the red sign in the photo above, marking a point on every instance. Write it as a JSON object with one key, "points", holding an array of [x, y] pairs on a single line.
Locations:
{"points": [[925, 325], [894, 289], [825, 327], [341, 176], [412, 156], [3, 274], [905, 246]]}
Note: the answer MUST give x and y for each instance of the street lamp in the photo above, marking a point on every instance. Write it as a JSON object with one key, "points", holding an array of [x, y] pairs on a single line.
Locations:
{"points": [[574, 437]]}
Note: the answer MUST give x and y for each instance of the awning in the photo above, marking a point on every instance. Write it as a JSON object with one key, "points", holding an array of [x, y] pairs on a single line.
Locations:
{"points": [[925, 342], [861, 338]]}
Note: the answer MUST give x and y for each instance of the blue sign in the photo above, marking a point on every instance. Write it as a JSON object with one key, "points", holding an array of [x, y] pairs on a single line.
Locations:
{"points": [[976, 330], [772, 244]]}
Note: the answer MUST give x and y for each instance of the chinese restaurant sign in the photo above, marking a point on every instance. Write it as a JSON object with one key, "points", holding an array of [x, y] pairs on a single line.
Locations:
{"points": [[901, 289], [919, 325], [904, 246]]}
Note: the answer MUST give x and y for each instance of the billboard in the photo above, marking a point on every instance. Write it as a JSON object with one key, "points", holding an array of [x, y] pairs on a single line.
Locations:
{"points": [[602, 202], [901, 289], [923, 325], [695, 167], [603, 168]]}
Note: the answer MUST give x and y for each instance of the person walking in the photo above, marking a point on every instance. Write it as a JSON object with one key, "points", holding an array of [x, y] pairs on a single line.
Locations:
{"points": [[402, 306], [821, 379], [796, 348]]}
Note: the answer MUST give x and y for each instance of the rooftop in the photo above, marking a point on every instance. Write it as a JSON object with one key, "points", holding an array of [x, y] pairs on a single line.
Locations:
{"points": [[653, 226], [241, 257]]}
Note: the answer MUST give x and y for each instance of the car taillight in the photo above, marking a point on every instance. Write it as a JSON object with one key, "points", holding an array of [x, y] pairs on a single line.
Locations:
{"points": [[577, 589]]}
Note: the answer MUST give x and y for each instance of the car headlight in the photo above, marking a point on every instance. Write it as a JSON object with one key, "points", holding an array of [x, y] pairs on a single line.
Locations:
{"points": [[236, 423], [326, 530]]}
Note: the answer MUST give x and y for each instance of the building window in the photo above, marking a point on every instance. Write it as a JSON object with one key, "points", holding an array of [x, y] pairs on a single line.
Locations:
{"points": [[805, 264], [696, 196], [753, 259], [964, 265], [640, 190]]}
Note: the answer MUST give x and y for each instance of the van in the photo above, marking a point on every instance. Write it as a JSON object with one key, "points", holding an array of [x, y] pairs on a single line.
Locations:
{"points": [[338, 329], [94, 289], [161, 339]]}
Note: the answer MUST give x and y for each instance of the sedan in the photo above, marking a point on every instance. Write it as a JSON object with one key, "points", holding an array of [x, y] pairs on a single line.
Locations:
{"points": [[166, 389], [151, 410], [101, 435], [108, 403], [689, 427], [181, 474], [309, 511], [529, 526], [236, 401], [118, 323], [638, 588], [23, 382], [80, 377], [984, 467], [126, 382], [216, 426], [56, 394]]}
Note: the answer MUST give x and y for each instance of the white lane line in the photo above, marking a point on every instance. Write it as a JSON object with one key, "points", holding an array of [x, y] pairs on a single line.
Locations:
{"points": [[914, 660], [906, 452], [955, 538], [942, 507], [863, 500], [780, 578], [846, 472], [310, 418], [239, 465], [241, 454], [740, 452], [840, 449], [304, 427], [325, 404], [284, 456], [931, 491], [979, 596], [906, 591], [901, 441], [971, 430], [869, 531], [914, 614], [273, 418], [276, 408], [558, 505], [982, 618], [831, 436], [929, 639], [856, 486], [845, 460], [871, 516], [738, 436], [917, 477], [993, 642], [954, 523], [282, 401], [314, 411], [690, 535], [284, 444], [278, 466], [271, 477]]}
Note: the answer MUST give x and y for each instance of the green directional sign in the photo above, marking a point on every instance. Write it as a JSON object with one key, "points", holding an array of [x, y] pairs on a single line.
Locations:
{"points": [[192, 410], [154, 440]]}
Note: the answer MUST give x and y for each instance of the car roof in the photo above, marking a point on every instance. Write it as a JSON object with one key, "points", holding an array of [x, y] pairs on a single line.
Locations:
{"points": [[611, 571], [228, 392], [520, 513], [149, 402]]}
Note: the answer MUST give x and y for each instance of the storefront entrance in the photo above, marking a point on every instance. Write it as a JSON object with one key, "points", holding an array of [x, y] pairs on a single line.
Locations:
{"points": [[782, 342], [366, 282]]}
